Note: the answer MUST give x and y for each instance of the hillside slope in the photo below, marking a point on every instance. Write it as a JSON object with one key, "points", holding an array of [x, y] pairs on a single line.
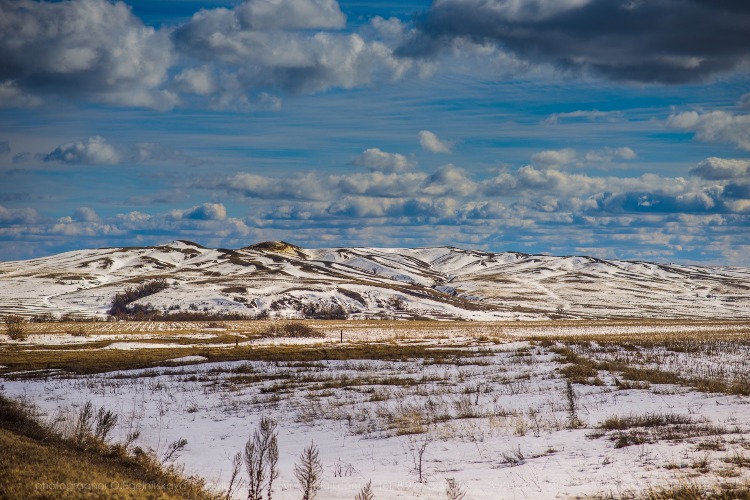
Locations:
{"points": [[438, 283]]}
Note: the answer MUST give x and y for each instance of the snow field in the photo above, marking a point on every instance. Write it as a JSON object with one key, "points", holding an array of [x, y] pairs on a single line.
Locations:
{"points": [[496, 415]]}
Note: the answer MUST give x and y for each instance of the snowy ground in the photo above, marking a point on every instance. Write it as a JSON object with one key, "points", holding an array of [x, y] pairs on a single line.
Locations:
{"points": [[496, 413]]}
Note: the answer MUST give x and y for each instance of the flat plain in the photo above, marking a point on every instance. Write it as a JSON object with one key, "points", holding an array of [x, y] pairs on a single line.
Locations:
{"points": [[545, 409]]}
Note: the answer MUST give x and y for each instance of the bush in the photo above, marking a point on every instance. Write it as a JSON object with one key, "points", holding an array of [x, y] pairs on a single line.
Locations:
{"points": [[300, 330], [46, 317], [121, 301], [15, 326], [261, 459], [323, 311]]}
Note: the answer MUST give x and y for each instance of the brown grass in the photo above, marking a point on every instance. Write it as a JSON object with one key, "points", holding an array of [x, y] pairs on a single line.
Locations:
{"points": [[17, 360], [37, 463]]}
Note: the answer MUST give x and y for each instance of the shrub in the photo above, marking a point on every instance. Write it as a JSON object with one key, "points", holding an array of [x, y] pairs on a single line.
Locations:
{"points": [[47, 317], [15, 326], [261, 459], [300, 330], [647, 420], [78, 331], [121, 301], [454, 490], [324, 311]]}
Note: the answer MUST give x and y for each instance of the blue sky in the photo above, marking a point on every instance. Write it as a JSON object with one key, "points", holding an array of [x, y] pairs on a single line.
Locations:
{"points": [[619, 129]]}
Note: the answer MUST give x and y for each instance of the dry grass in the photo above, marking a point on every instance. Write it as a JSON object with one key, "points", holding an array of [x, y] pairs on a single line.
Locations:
{"points": [[23, 363], [37, 463]]}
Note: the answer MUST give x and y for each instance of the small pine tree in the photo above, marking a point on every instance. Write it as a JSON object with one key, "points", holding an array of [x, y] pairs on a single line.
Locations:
{"points": [[309, 472]]}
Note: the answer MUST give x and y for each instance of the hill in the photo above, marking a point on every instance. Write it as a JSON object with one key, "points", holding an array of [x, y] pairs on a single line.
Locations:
{"points": [[284, 280]]}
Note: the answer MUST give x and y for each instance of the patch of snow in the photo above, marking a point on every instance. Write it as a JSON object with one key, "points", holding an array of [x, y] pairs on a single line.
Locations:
{"points": [[186, 359]]}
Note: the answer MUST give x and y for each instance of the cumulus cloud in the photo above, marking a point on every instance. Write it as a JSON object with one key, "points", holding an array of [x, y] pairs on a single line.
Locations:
{"points": [[721, 168], [379, 184], [533, 188], [380, 161], [738, 189], [196, 81], [290, 14], [449, 181], [11, 96], [430, 142], [85, 214], [82, 47], [206, 211], [232, 57], [625, 153], [554, 158], [95, 151], [715, 126], [308, 186], [608, 155], [261, 43], [18, 215], [642, 41]]}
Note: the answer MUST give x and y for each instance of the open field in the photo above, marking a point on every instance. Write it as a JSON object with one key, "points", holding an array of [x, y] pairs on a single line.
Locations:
{"points": [[550, 409]]}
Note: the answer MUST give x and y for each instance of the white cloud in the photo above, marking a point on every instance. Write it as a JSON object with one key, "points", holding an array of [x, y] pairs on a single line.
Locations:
{"points": [[715, 126], [380, 161], [290, 14], [263, 56], [11, 96], [380, 184], [18, 215], [625, 153], [196, 81], [392, 30], [95, 151], [432, 143], [307, 186], [722, 168], [206, 211], [591, 115], [83, 47], [607, 155], [85, 214], [449, 180], [554, 158]]}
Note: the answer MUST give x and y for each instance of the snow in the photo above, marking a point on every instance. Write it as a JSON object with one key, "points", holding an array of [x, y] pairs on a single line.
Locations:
{"points": [[187, 359], [491, 285], [501, 449]]}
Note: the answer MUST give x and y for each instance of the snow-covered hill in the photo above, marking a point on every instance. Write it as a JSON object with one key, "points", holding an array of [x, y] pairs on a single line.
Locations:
{"points": [[439, 283]]}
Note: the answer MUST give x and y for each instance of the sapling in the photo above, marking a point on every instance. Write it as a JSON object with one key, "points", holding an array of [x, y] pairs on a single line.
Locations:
{"points": [[261, 459], [309, 472]]}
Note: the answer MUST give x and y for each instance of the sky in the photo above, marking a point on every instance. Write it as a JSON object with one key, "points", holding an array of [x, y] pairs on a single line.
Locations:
{"points": [[611, 128]]}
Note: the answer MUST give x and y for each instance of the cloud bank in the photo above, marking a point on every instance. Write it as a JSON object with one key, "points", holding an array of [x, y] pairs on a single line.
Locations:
{"points": [[96, 50], [638, 41]]}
